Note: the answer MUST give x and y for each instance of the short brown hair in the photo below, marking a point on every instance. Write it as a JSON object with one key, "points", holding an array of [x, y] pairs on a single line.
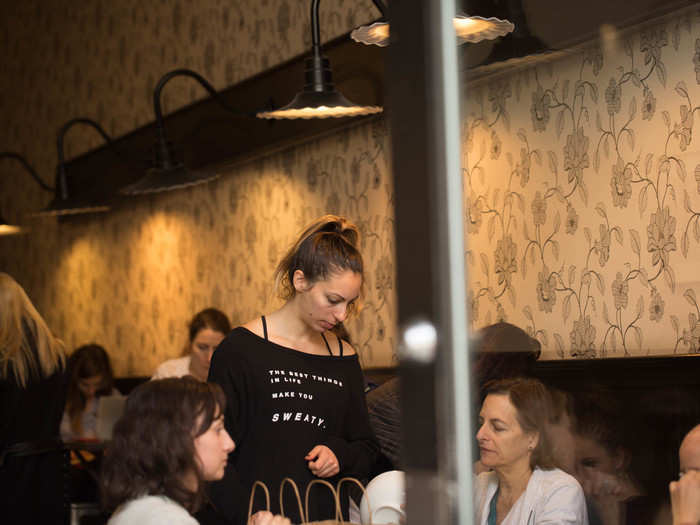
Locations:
{"points": [[152, 449], [328, 245], [211, 318], [532, 403]]}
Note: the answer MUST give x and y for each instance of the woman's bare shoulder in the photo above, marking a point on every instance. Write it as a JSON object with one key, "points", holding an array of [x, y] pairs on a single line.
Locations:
{"points": [[255, 326], [348, 349]]}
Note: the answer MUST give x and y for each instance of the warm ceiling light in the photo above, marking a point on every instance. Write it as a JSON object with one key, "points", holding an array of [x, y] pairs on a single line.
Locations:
{"points": [[5, 227], [319, 99], [470, 29], [63, 202], [474, 29], [9, 229], [167, 173]]}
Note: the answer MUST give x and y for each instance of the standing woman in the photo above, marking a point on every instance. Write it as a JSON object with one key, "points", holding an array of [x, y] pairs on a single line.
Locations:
{"points": [[32, 395], [295, 401], [206, 330], [523, 487]]}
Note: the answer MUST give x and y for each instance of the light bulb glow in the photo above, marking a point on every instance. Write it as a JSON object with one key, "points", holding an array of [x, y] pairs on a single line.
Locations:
{"points": [[467, 28], [321, 112], [9, 229]]}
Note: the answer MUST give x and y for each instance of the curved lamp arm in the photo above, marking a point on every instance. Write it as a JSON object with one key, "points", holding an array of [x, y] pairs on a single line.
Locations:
{"points": [[61, 182], [163, 154], [381, 6], [23, 161]]}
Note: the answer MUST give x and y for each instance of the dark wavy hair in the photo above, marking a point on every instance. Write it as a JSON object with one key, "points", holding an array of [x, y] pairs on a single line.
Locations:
{"points": [[211, 318], [330, 244], [87, 361], [501, 351], [533, 407], [152, 450]]}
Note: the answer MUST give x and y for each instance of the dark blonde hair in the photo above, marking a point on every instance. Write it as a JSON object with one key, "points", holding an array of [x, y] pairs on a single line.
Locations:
{"points": [[152, 451], [533, 407], [28, 349], [328, 245]]}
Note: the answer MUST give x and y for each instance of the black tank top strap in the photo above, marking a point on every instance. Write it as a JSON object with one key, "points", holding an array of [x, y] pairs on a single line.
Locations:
{"points": [[327, 345], [264, 323], [340, 345]]}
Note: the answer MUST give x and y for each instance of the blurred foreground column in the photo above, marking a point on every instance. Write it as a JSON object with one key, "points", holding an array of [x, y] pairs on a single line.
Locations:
{"points": [[423, 86]]}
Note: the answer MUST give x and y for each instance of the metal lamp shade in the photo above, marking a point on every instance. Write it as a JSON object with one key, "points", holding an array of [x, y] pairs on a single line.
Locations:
{"points": [[167, 179]]}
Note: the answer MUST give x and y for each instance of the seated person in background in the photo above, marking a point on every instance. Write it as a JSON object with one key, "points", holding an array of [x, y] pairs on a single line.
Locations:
{"points": [[206, 330], [89, 377], [685, 493], [169, 441], [385, 418], [523, 486], [610, 462], [561, 430], [502, 351], [499, 351]]}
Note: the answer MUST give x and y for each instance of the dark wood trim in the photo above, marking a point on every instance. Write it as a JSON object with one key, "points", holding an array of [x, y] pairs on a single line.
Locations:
{"points": [[206, 136]]}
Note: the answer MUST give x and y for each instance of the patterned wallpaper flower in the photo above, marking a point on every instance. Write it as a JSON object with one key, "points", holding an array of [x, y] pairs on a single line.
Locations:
{"points": [[582, 184], [130, 279], [585, 228]]}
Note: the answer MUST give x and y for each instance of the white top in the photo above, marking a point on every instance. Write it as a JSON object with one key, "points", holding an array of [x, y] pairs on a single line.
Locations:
{"points": [[89, 421], [551, 497], [173, 368], [151, 510]]}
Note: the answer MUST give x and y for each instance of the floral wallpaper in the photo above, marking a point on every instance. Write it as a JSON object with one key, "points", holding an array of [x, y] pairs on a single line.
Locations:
{"points": [[582, 196], [131, 279], [581, 183]]}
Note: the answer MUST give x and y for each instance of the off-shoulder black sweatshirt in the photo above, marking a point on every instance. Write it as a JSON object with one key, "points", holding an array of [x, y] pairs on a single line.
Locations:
{"points": [[280, 404]]}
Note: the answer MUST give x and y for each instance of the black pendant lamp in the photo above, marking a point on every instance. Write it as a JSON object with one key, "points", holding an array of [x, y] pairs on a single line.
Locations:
{"points": [[6, 228], [167, 173], [9, 229], [468, 28], [319, 99], [64, 202], [519, 48]]}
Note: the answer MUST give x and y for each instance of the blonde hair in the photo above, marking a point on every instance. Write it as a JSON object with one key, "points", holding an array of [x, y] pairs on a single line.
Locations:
{"points": [[327, 245], [21, 328]]}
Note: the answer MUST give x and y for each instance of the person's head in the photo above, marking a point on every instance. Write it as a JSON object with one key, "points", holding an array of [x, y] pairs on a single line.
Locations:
{"points": [[21, 328], [205, 331], [170, 439], [89, 375], [561, 428], [323, 272], [600, 436], [503, 351], [689, 453], [513, 424], [89, 372]]}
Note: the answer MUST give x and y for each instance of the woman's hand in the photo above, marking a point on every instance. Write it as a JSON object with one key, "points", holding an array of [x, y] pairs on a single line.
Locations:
{"points": [[264, 517], [685, 499], [322, 462]]}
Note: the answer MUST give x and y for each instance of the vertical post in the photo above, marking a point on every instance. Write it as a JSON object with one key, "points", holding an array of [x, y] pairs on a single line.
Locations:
{"points": [[424, 116]]}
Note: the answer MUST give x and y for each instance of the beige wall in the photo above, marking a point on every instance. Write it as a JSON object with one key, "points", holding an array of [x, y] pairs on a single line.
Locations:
{"points": [[550, 247], [582, 181], [130, 279]]}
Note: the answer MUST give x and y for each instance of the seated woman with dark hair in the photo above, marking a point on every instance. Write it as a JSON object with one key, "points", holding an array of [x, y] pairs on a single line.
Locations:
{"points": [[205, 331], [89, 377], [169, 441], [523, 486]]}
